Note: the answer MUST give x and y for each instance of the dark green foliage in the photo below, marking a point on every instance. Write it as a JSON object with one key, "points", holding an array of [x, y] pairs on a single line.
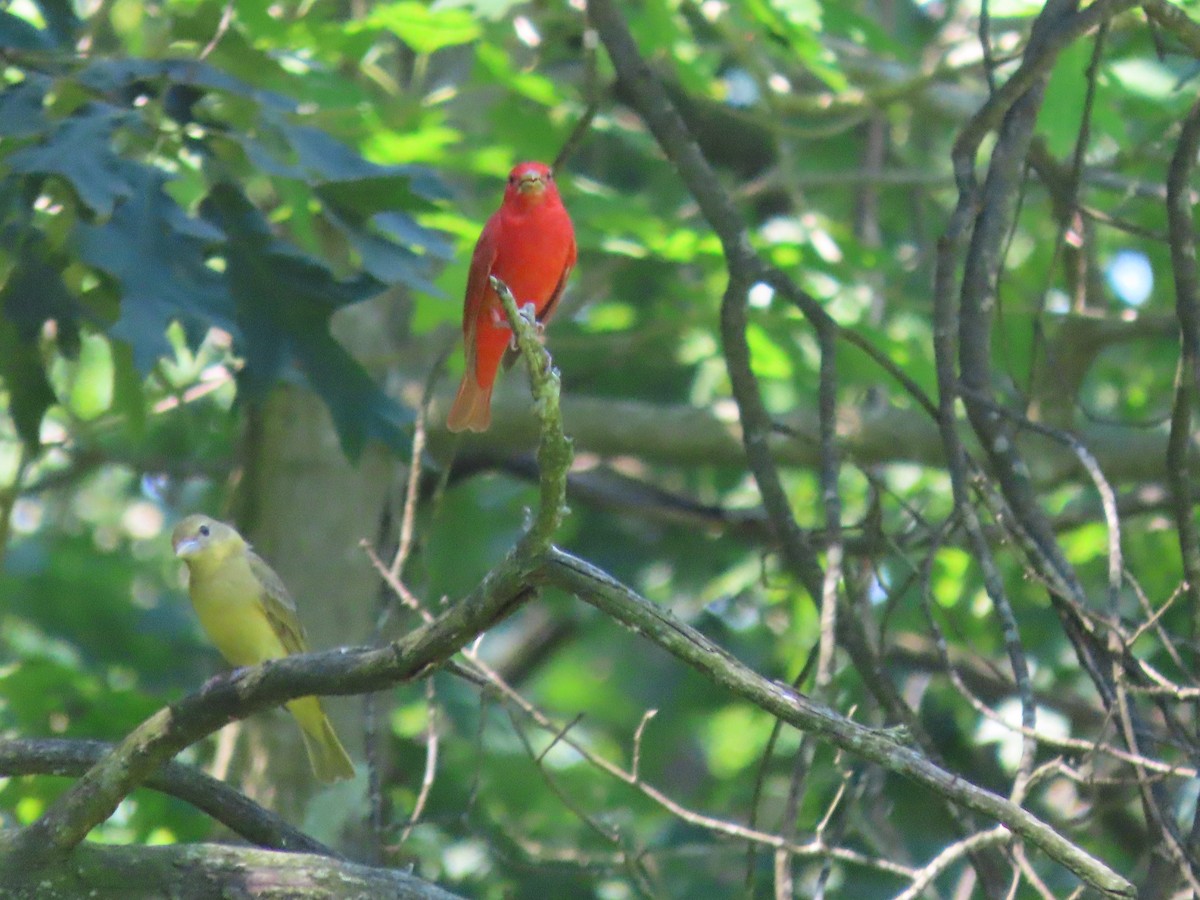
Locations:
{"points": [[101, 139], [163, 174]]}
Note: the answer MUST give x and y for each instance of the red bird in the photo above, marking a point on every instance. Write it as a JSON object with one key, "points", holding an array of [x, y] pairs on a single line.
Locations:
{"points": [[529, 244]]}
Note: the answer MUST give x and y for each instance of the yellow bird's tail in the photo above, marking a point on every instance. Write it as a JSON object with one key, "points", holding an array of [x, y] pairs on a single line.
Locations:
{"points": [[326, 754]]}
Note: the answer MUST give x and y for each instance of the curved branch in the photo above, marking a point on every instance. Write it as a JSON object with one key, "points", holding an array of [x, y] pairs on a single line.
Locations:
{"points": [[745, 269], [883, 747], [554, 452], [238, 813], [236, 695], [1034, 66]]}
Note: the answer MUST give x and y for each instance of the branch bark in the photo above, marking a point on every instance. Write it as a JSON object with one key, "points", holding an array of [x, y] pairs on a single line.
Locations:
{"points": [[686, 436], [195, 871], [242, 816], [236, 695], [886, 747]]}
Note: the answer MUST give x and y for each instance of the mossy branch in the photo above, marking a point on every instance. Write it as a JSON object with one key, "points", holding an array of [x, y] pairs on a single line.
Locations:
{"points": [[555, 451]]}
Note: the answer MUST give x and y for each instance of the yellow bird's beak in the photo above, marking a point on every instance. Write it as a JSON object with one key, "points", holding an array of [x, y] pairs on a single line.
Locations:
{"points": [[187, 547]]}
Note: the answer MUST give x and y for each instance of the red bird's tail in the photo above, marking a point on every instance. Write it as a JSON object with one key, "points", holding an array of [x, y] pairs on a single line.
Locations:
{"points": [[472, 409]]}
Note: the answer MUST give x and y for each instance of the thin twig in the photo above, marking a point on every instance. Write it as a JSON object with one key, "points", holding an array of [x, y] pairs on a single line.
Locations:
{"points": [[883, 747], [932, 870], [431, 761], [222, 27], [635, 765]]}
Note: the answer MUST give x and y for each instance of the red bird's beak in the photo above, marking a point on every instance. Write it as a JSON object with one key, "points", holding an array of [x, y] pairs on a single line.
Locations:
{"points": [[531, 182]]}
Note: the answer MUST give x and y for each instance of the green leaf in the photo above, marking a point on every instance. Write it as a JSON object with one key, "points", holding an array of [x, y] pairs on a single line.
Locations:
{"points": [[360, 408], [284, 301], [405, 229], [91, 386], [372, 194], [267, 160], [495, 10], [865, 30], [367, 202], [768, 359], [798, 25], [786, 15], [79, 150], [34, 292], [1149, 80], [22, 111], [355, 180], [61, 21], [425, 29], [29, 390], [122, 76], [18, 34], [158, 256], [128, 391], [384, 259], [1003, 9], [521, 82], [1065, 100]]}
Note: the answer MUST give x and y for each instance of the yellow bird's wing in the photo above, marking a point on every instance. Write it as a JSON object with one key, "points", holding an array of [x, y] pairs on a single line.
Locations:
{"points": [[326, 754], [278, 606]]}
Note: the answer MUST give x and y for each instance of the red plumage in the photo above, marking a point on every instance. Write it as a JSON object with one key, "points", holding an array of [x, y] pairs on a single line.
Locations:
{"points": [[529, 244]]}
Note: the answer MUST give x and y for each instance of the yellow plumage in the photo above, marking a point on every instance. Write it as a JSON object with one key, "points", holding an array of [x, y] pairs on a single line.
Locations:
{"points": [[251, 618]]}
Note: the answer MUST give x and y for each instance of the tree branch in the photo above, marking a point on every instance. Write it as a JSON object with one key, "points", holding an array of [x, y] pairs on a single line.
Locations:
{"points": [[106, 872], [554, 452], [238, 694], [883, 747], [56, 756]]}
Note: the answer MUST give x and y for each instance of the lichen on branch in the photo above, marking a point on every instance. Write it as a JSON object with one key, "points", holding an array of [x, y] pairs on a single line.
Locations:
{"points": [[555, 452]]}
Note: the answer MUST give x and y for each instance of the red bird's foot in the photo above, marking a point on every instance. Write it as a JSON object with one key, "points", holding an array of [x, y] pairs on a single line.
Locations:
{"points": [[529, 314]]}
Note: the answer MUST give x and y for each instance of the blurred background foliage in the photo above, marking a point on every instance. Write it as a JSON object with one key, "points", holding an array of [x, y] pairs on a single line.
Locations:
{"points": [[190, 192]]}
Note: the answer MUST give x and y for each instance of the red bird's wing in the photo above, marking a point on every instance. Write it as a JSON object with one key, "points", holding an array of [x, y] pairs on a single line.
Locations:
{"points": [[552, 304], [482, 260], [470, 408]]}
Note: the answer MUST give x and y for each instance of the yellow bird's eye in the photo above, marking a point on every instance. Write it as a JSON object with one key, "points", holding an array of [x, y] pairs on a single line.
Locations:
{"points": [[203, 531]]}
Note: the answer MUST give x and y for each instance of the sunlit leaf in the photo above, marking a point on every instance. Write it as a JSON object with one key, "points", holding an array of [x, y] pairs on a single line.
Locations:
{"points": [[423, 27], [92, 382]]}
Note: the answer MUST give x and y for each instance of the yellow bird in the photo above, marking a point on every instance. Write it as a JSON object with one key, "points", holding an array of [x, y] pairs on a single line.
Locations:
{"points": [[251, 618]]}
